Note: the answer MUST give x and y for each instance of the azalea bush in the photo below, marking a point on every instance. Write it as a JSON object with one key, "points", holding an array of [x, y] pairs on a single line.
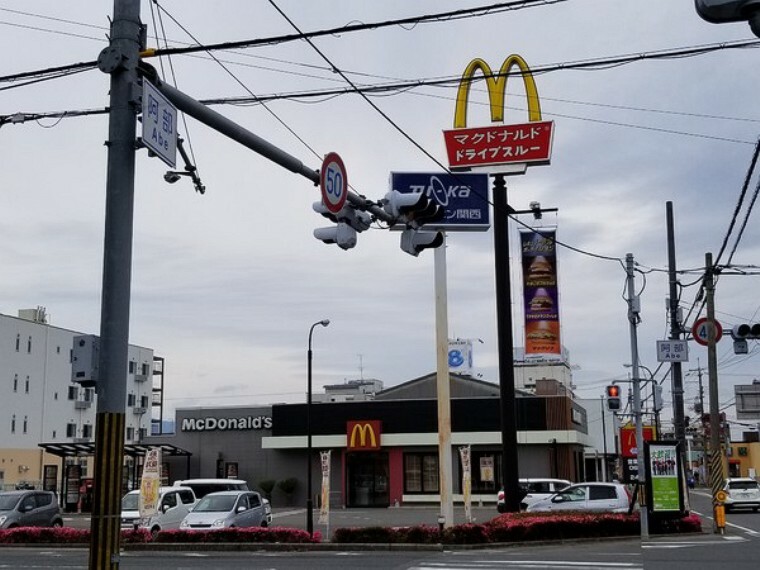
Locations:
{"points": [[258, 534], [33, 534]]}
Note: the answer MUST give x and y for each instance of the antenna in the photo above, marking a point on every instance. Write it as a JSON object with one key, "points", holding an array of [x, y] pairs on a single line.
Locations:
{"points": [[361, 366]]}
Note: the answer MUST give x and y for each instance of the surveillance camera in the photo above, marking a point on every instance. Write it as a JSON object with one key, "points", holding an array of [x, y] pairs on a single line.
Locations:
{"points": [[171, 177]]}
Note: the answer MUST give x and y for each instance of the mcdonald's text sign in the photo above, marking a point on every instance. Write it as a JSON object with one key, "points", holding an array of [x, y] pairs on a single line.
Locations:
{"points": [[499, 144], [363, 435]]}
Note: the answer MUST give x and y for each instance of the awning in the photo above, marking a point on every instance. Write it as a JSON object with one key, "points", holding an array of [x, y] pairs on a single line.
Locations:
{"points": [[130, 449]]}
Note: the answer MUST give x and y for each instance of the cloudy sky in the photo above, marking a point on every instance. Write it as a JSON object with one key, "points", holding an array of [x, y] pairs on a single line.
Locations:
{"points": [[226, 285]]}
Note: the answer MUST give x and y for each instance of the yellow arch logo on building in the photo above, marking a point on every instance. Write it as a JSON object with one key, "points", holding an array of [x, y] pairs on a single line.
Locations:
{"points": [[366, 435], [497, 89]]}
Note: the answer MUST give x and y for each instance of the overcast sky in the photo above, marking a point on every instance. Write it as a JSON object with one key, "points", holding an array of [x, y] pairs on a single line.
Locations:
{"points": [[226, 285]]}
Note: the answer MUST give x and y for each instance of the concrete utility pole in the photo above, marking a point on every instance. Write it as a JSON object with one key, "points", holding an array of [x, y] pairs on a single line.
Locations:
{"points": [[633, 319], [676, 377], [509, 467], [715, 463], [120, 60]]}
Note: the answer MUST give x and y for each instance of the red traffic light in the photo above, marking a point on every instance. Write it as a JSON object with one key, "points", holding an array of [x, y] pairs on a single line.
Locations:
{"points": [[613, 391]]}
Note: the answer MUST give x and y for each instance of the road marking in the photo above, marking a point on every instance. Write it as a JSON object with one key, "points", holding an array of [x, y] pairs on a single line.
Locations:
{"points": [[531, 564], [741, 528]]}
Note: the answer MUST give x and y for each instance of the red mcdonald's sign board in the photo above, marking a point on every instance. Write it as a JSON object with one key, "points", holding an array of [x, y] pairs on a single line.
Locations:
{"points": [[628, 447], [363, 435]]}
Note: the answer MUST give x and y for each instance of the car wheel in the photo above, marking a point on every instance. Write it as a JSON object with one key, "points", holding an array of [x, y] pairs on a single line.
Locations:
{"points": [[264, 523], [501, 508], [154, 531], [57, 524]]}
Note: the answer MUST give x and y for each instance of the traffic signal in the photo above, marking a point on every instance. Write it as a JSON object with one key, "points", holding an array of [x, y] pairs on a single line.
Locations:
{"points": [[657, 397], [413, 209], [349, 222], [746, 331], [414, 241], [341, 234], [613, 397]]}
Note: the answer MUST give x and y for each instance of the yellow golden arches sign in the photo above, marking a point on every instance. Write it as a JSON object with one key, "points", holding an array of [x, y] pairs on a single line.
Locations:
{"points": [[497, 89], [363, 435]]}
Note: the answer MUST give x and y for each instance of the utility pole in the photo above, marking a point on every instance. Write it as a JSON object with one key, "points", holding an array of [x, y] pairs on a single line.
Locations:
{"points": [[715, 463], [604, 441], [120, 60], [633, 319], [676, 377]]}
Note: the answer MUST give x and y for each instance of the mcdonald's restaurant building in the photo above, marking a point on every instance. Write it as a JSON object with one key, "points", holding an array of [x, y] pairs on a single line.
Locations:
{"points": [[383, 451]]}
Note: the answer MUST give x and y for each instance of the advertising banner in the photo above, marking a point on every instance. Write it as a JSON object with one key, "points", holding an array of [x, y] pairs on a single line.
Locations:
{"points": [[540, 292], [150, 483], [662, 462], [486, 469], [324, 496], [460, 356], [464, 454]]}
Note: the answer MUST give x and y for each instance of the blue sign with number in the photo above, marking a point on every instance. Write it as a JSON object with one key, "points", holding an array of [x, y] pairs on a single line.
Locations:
{"points": [[464, 197]]}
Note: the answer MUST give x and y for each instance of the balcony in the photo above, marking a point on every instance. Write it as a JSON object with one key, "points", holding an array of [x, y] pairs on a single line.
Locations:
{"points": [[141, 377], [82, 404], [138, 411]]}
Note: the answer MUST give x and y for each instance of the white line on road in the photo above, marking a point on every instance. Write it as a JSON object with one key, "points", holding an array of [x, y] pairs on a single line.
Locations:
{"points": [[741, 528], [531, 564]]}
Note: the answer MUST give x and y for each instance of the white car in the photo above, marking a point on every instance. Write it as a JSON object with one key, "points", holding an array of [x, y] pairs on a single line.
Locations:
{"points": [[595, 497], [533, 490], [228, 509], [173, 505], [743, 492]]}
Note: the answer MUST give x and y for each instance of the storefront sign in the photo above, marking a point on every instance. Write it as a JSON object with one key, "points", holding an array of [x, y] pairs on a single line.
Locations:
{"points": [[662, 462], [540, 292], [363, 435], [223, 424], [628, 447]]}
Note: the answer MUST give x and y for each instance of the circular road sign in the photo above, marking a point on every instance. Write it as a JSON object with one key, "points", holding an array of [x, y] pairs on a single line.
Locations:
{"points": [[333, 182], [700, 331], [721, 496]]}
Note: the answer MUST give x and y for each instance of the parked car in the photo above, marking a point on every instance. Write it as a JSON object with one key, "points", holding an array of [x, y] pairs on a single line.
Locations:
{"points": [[29, 508], [228, 509], [597, 497], [743, 492], [202, 487], [533, 490], [173, 504]]}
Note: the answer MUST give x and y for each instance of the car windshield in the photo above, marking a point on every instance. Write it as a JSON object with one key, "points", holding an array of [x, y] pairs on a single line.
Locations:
{"points": [[744, 485], [130, 502], [215, 504], [8, 502]]}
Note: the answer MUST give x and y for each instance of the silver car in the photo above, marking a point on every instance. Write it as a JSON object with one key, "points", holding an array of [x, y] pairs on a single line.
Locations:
{"points": [[598, 497], [29, 508], [228, 509]]}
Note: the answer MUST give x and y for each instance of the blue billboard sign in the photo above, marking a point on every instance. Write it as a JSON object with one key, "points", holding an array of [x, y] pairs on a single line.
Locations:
{"points": [[464, 197]]}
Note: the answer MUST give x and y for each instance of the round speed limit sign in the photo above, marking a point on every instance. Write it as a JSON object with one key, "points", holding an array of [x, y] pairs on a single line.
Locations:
{"points": [[333, 182]]}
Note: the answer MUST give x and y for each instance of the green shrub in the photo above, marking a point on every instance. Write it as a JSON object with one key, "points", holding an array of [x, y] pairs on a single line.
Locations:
{"points": [[267, 486]]}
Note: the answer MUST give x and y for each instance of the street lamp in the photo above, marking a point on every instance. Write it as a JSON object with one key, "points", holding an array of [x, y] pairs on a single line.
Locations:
{"points": [[309, 502]]}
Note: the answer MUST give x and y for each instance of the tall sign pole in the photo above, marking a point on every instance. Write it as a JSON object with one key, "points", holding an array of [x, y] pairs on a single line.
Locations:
{"points": [[676, 377], [120, 60], [633, 319]]}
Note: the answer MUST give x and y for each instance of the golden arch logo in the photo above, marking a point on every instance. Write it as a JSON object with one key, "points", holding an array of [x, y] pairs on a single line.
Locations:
{"points": [[363, 435], [497, 89]]}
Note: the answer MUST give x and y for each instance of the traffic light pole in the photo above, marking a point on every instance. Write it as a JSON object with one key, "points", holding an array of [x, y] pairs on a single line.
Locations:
{"points": [[676, 377], [633, 318]]}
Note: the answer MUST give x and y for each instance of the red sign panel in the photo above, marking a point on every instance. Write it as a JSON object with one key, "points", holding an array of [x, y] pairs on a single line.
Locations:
{"points": [[363, 435], [628, 447], [499, 144]]}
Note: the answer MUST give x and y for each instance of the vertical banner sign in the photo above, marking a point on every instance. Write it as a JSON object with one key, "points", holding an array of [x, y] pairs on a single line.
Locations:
{"points": [[150, 483], [662, 464], [464, 453], [324, 502], [540, 292]]}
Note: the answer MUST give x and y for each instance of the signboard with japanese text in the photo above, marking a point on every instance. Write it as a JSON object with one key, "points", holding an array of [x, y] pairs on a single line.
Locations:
{"points": [[464, 197], [159, 124], [672, 351], [664, 476], [540, 292], [150, 483], [324, 494], [499, 144]]}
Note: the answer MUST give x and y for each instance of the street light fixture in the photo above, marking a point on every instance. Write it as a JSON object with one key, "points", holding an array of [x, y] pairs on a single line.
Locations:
{"points": [[309, 502]]}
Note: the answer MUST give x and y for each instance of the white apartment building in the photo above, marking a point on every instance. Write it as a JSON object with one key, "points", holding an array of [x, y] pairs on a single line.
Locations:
{"points": [[40, 404], [530, 369]]}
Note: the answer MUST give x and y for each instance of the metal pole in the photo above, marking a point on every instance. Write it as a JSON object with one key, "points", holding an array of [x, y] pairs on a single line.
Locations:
{"points": [[676, 377], [715, 463], [443, 388], [309, 499], [509, 467], [120, 60], [604, 440], [633, 317]]}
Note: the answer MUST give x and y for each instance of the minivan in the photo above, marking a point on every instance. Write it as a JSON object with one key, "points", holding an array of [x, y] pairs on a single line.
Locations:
{"points": [[29, 508], [228, 509], [173, 504], [202, 487]]}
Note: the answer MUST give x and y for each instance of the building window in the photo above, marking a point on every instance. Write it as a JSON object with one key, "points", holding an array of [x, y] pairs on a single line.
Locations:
{"points": [[143, 433], [130, 433], [145, 369], [13, 424], [71, 430], [421, 473], [18, 342], [29, 345], [131, 400], [54, 434], [26, 385], [132, 366], [58, 350], [26, 423], [143, 401], [73, 392], [89, 394], [15, 382], [55, 395], [486, 471], [87, 431]]}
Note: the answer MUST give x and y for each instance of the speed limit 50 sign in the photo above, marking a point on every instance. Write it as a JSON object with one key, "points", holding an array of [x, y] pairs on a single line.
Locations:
{"points": [[333, 182]]}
